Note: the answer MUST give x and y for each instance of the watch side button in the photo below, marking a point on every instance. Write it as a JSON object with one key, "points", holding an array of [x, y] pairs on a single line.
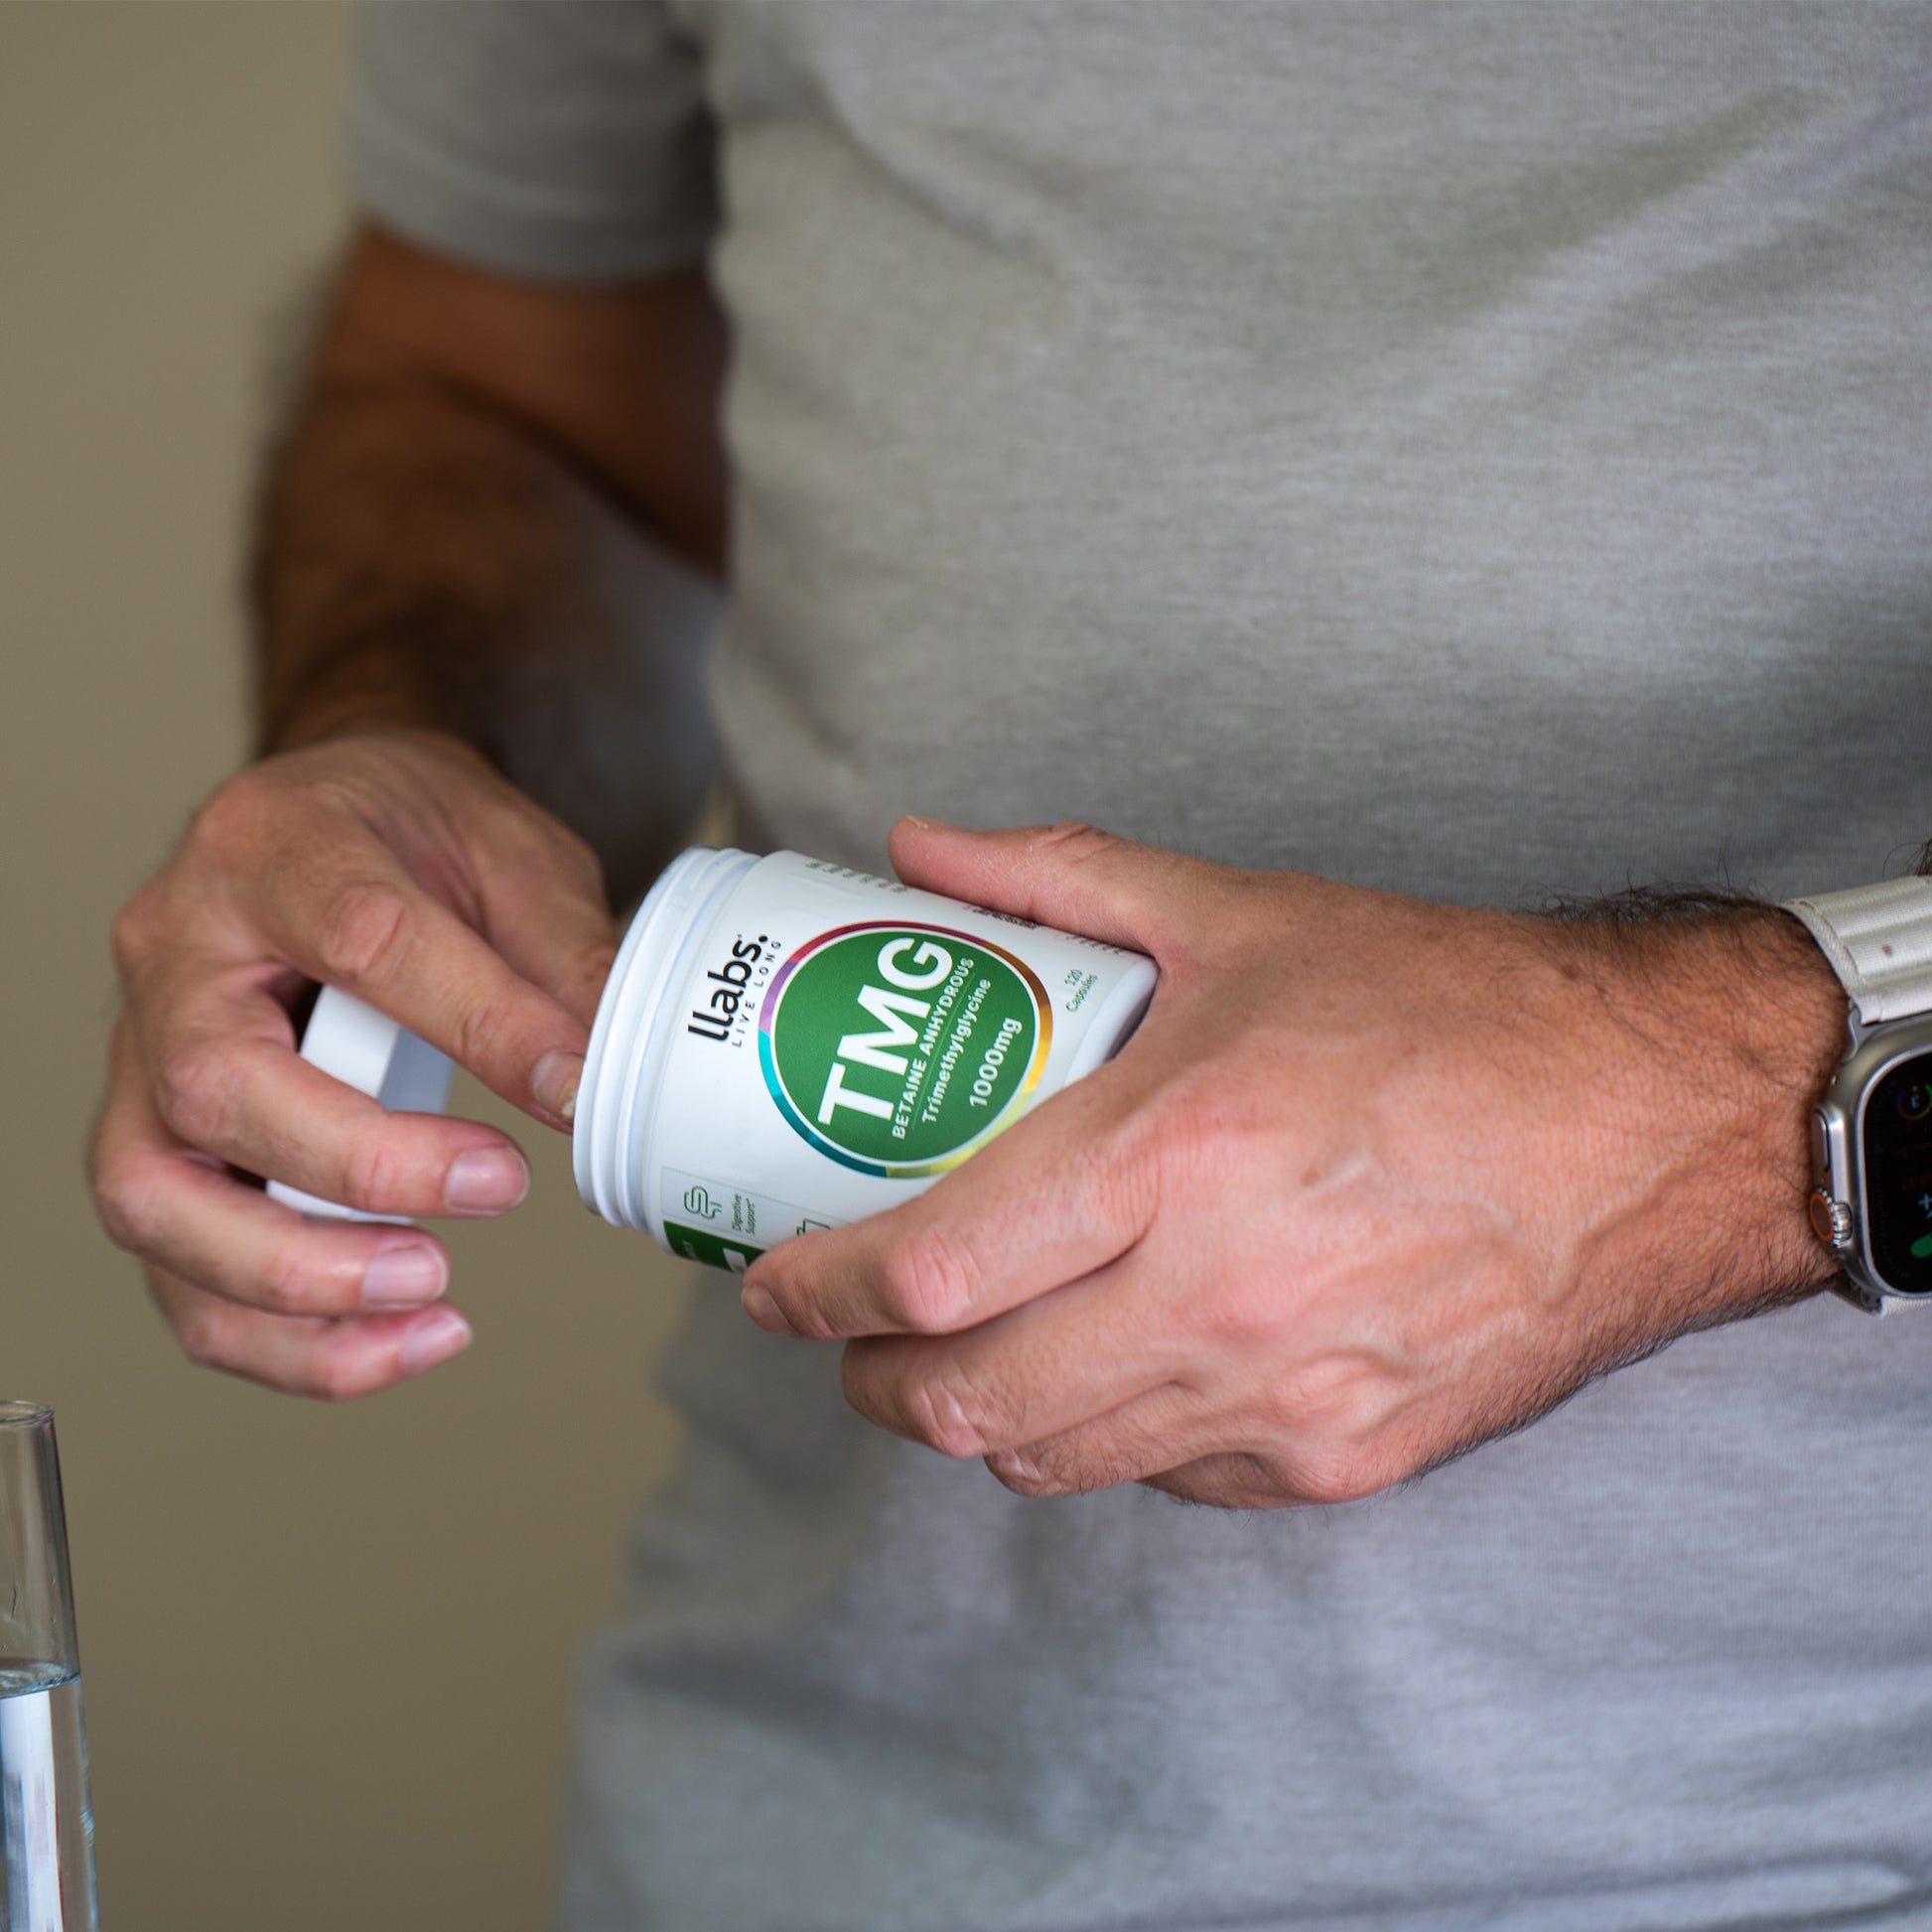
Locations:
{"points": [[1832, 1220], [1820, 1146]]}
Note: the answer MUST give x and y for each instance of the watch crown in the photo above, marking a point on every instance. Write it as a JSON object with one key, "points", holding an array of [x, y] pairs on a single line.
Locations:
{"points": [[1832, 1219]]}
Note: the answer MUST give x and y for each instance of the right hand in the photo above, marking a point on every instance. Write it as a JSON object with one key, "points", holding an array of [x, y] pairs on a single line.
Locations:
{"points": [[399, 866]]}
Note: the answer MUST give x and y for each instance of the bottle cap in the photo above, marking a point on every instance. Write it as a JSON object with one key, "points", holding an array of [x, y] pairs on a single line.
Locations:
{"points": [[363, 1048]]}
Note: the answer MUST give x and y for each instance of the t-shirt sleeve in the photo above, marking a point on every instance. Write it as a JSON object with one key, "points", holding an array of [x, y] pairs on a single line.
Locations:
{"points": [[565, 139]]}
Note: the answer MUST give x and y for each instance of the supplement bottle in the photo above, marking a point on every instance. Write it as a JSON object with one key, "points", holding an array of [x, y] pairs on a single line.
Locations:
{"points": [[786, 1044]]}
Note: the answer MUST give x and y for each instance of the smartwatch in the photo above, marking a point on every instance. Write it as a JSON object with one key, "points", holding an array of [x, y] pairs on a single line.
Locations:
{"points": [[1871, 1134]]}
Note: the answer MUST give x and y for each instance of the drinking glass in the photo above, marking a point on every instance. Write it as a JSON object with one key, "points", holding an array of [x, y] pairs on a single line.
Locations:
{"points": [[46, 1824]]}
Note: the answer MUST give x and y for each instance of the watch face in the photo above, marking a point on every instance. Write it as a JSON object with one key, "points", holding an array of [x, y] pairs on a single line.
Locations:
{"points": [[1897, 1149]]}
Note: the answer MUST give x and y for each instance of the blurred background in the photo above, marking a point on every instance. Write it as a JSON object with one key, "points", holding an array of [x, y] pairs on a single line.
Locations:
{"points": [[326, 1651]]}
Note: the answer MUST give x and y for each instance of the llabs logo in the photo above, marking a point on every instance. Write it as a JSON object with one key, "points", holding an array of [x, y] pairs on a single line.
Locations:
{"points": [[724, 989]]}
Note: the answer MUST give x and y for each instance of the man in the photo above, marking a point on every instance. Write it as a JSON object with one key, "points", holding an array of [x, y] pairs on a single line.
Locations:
{"points": [[1469, 454]]}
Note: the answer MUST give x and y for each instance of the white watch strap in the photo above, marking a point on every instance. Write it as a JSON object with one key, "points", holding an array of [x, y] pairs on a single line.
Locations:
{"points": [[1878, 939]]}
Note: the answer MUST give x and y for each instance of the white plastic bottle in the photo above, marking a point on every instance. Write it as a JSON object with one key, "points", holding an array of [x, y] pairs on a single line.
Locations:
{"points": [[786, 1044]]}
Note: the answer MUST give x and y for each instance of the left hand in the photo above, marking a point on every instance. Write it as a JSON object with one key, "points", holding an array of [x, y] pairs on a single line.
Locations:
{"points": [[1376, 1181]]}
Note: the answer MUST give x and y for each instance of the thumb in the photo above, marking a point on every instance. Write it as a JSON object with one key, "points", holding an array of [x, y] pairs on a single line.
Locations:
{"points": [[1069, 876]]}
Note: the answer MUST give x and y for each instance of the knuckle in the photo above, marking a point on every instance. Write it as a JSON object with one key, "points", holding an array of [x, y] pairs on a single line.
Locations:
{"points": [[131, 937], [230, 821], [284, 1286], [1074, 845], [926, 1283], [811, 1322], [362, 931], [1336, 1473], [194, 1092], [333, 1377], [1074, 839], [375, 1177], [484, 1032], [1067, 1467], [126, 1200], [198, 1331], [573, 857], [1333, 1400], [1241, 1316], [1033, 1478], [955, 1413]]}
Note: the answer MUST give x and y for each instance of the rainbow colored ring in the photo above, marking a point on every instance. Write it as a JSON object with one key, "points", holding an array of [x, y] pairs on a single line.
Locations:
{"points": [[895, 1169]]}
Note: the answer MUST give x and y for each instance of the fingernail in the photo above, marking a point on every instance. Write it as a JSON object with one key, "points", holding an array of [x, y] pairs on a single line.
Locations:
{"points": [[433, 1339], [399, 1275], [764, 1312], [554, 1083], [485, 1180]]}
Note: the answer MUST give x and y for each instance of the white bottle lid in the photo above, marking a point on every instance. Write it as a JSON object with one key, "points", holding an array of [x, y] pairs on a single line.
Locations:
{"points": [[363, 1048]]}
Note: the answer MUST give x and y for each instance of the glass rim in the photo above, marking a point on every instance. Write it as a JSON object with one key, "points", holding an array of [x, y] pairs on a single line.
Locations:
{"points": [[19, 1413]]}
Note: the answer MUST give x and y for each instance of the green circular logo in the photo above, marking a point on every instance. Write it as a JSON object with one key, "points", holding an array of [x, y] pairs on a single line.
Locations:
{"points": [[898, 1049]]}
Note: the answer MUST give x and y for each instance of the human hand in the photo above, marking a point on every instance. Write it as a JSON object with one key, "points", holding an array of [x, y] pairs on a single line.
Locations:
{"points": [[1376, 1181], [401, 867]]}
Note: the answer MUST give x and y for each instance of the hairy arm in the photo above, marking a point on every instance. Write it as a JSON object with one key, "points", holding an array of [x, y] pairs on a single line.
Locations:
{"points": [[493, 513], [479, 583]]}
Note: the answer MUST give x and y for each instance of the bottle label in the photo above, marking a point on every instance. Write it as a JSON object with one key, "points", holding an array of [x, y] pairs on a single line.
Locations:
{"points": [[725, 1225], [899, 1050]]}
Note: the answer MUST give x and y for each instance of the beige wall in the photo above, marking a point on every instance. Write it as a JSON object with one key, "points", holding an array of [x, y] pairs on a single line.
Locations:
{"points": [[325, 1650]]}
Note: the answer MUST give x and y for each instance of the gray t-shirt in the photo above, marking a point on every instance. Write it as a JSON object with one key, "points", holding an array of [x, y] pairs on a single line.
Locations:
{"points": [[1477, 450]]}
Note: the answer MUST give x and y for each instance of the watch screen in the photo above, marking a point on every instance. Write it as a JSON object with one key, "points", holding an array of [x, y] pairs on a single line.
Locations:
{"points": [[1898, 1173]]}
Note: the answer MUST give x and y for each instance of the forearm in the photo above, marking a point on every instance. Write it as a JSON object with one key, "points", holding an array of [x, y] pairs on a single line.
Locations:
{"points": [[424, 557]]}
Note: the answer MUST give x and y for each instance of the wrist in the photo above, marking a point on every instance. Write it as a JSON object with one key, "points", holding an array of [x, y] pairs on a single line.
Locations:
{"points": [[1739, 1022], [1787, 1033], [370, 680]]}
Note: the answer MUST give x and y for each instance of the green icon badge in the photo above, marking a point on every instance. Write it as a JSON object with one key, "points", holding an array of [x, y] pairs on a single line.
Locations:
{"points": [[899, 1050]]}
